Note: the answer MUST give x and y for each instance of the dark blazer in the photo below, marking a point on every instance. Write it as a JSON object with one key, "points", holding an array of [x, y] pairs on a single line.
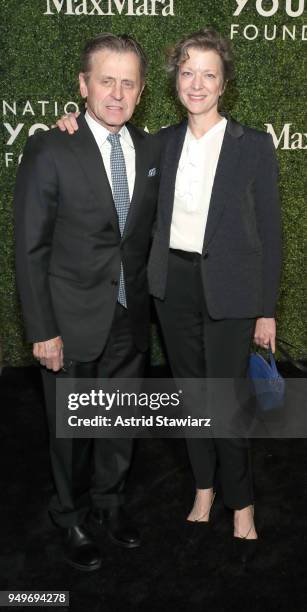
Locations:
{"points": [[241, 257], [68, 243]]}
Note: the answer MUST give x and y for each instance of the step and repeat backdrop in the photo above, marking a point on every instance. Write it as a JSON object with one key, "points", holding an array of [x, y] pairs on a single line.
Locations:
{"points": [[40, 64]]}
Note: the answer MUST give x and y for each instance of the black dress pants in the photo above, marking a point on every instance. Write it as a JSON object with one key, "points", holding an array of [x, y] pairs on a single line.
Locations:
{"points": [[199, 347], [91, 472]]}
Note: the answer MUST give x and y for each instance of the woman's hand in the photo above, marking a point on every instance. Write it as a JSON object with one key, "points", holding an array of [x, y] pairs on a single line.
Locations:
{"points": [[68, 122], [265, 333]]}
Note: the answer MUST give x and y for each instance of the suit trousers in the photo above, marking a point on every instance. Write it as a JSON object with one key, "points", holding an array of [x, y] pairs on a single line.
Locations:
{"points": [[198, 347], [91, 472]]}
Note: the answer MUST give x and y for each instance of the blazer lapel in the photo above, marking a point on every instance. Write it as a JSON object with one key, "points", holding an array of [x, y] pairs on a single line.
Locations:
{"points": [[85, 148], [227, 168], [169, 169]]}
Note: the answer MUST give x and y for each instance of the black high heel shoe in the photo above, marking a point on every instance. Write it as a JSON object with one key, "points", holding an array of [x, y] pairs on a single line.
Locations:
{"points": [[244, 549]]}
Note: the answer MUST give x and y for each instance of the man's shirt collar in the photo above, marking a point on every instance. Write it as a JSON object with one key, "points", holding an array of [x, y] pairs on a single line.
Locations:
{"points": [[101, 133]]}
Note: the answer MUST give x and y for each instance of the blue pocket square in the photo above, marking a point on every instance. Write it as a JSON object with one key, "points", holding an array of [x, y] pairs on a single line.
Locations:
{"points": [[152, 172]]}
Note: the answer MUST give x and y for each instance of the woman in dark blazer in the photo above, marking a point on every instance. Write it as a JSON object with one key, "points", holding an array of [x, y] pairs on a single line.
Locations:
{"points": [[215, 261]]}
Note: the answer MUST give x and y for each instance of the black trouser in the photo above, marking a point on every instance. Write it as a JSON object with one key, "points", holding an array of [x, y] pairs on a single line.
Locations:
{"points": [[92, 472], [199, 346]]}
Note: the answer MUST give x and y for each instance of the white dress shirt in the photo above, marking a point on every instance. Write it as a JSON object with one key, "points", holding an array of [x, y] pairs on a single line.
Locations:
{"points": [[194, 182], [101, 134]]}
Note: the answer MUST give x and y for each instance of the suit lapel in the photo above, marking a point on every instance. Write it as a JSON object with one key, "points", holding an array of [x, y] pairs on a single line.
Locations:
{"points": [[85, 148], [140, 173], [227, 169]]}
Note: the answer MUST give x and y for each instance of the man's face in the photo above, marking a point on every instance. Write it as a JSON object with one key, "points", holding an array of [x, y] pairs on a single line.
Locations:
{"points": [[113, 87], [200, 81]]}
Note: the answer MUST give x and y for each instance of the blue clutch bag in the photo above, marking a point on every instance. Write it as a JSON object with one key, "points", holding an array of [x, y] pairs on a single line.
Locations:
{"points": [[267, 385]]}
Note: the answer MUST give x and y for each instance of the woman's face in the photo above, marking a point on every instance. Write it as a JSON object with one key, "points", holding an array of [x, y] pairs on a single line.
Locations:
{"points": [[200, 81]]}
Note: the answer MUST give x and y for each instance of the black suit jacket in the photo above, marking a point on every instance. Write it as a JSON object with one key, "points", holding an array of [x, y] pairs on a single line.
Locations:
{"points": [[68, 243], [241, 257]]}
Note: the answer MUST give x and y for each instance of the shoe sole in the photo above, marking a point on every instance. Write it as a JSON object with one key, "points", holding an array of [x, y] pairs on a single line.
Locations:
{"points": [[83, 568], [123, 544]]}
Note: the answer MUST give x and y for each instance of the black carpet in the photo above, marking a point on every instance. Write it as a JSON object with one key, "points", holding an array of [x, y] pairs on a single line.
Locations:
{"points": [[178, 567]]}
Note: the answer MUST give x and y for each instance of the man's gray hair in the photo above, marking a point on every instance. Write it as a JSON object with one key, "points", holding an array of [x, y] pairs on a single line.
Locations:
{"points": [[121, 43]]}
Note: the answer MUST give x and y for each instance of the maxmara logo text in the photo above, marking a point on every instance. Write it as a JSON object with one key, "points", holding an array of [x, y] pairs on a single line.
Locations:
{"points": [[267, 9], [130, 8]]}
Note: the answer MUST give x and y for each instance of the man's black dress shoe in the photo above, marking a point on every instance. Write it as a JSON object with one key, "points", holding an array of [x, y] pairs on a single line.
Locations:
{"points": [[118, 526], [80, 551]]}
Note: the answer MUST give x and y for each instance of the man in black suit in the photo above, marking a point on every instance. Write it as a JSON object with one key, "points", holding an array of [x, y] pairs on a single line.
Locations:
{"points": [[84, 210]]}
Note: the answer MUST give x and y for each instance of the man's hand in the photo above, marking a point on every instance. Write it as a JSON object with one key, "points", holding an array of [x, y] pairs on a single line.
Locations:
{"points": [[68, 122], [50, 353], [265, 333]]}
